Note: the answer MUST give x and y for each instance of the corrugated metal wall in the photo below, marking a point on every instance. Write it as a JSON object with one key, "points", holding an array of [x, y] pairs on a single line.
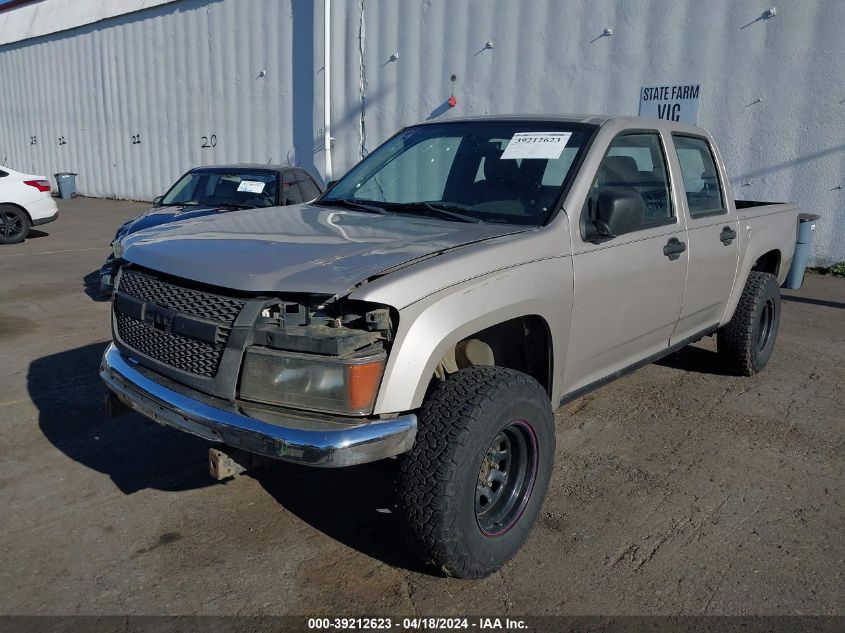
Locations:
{"points": [[773, 90], [132, 102]]}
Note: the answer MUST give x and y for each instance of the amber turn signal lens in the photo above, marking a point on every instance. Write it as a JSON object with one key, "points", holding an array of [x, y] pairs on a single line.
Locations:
{"points": [[362, 384]]}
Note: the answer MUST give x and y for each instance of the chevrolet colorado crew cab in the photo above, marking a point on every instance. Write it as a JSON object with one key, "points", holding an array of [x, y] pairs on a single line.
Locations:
{"points": [[439, 301]]}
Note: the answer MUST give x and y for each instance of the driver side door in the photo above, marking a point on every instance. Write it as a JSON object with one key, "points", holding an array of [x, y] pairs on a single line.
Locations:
{"points": [[628, 291]]}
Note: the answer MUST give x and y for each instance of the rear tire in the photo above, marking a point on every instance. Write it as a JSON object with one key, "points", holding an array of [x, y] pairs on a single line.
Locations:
{"points": [[472, 486], [746, 342], [14, 224]]}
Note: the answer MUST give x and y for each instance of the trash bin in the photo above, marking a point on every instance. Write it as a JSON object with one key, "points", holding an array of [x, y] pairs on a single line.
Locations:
{"points": [[806, 230], [66, 181]]}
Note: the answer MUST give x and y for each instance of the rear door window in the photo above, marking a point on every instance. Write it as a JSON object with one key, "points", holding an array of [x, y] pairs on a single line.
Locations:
{"points": [[701, 180]]}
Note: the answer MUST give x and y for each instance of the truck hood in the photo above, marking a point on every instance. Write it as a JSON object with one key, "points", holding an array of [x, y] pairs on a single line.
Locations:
{"points": [[302, 248]]}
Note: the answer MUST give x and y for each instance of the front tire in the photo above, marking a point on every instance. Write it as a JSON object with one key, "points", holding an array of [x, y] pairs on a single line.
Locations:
{"points": [[746, 342], [472, 486], [14, 224]]}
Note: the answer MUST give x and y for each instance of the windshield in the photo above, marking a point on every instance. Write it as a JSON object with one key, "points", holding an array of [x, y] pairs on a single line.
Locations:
{"points": [[216, 188], [497, 171]]}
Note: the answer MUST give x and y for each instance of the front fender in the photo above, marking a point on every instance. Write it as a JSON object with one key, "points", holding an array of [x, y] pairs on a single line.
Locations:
{"points": [[430, 326]]}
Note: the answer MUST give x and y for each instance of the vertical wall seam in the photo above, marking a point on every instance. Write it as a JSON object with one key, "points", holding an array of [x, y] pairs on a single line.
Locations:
{"points": [[362, 86], [210, 60]]}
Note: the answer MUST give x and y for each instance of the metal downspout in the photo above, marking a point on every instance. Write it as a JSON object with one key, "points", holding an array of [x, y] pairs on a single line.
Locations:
{"points": [[327, 87]]}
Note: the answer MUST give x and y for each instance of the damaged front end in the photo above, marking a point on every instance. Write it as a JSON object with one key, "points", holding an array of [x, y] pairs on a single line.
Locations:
{"points": [[291, 377], [305, 351], [326, 358]]}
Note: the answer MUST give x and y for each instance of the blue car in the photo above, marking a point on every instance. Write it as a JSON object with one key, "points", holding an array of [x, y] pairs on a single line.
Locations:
{"points": [[210, 190]]}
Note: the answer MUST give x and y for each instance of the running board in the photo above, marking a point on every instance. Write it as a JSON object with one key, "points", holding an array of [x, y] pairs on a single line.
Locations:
{"points": [[583, 391]]}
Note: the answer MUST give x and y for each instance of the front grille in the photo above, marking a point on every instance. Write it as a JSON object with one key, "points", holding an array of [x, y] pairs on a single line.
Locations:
{"points": [[186, 300], [201, 358], [196, 357]]}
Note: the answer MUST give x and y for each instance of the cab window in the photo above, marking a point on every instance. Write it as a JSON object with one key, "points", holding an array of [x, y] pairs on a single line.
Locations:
{"points": [[291, 194], [310, 191], [701, 180], [635, 162]]}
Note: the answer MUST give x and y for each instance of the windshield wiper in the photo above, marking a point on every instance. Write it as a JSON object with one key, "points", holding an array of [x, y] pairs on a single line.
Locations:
{"points": [[233, 205], [440, 209], [353, 204]]}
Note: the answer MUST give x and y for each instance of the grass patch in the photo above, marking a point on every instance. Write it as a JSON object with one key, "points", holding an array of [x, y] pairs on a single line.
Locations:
{"points": [[837, 270]]}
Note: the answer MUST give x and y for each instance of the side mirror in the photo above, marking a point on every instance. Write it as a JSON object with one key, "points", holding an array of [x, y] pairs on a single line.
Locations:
{"points": [[157, 201], [615, 211]]}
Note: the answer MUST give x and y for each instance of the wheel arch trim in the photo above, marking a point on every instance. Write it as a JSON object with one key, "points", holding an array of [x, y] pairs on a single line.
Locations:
{"points": [[19, 206], [428, 328]]}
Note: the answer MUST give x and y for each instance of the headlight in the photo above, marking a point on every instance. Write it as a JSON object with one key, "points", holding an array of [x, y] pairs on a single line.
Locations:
{"points": [[310, 381], [117, 248]]}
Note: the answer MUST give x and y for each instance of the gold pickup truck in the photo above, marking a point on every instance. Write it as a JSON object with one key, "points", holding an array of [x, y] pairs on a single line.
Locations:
{"points": [[440, 300]]}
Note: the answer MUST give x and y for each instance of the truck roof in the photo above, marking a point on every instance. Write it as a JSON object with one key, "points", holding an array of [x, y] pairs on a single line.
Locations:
{"points": [[582, 119], [595, 119]]}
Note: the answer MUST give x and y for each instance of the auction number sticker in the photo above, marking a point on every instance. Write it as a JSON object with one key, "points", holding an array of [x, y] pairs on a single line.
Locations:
{"points": [[252, 186], [536, 145]]}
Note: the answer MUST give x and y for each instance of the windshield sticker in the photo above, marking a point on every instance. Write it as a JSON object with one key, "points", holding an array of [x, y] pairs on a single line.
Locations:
{"points": [[252, 186], [536, 145]]}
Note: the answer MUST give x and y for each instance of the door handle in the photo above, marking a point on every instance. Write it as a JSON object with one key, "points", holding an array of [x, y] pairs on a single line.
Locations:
{"points": [[727, 235], [674, 247]]}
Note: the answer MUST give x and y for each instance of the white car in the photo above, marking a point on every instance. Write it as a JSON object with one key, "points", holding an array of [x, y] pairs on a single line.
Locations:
{"points": [[25, 201]]}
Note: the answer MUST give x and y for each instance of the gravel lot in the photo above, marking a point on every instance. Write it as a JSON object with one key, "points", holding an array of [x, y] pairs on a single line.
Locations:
{"points": [[677, 490]]}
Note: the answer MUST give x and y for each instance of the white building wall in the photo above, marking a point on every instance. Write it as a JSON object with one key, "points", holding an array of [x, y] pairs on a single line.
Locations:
{"points": [[773, 90], [175, 77]]}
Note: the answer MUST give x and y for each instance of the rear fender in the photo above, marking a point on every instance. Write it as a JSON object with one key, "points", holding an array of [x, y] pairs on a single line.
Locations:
{"points": [[760, 232]]}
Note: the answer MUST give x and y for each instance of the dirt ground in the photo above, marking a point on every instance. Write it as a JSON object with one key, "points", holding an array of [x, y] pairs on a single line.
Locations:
{"points": [[677, 490]]}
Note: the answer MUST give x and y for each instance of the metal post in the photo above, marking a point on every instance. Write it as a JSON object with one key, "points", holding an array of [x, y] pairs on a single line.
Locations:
{"points": [[327, 87]]}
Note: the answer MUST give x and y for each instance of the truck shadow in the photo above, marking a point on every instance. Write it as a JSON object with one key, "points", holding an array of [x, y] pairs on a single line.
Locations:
{"points": [[354, 505], [134, 452], [814, 302], [697, 360]]}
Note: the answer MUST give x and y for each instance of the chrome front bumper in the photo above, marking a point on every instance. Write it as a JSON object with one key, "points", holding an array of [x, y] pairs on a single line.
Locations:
{"points": [[289, 436]]}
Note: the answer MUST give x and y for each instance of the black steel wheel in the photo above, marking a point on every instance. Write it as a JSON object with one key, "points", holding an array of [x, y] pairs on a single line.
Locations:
{"points": [[14, 224], [506, 478], [472, 486], [746, 342], [766, 324]]}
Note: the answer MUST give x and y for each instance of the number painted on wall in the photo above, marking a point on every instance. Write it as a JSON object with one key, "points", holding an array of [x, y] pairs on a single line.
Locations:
{"points": [[33, 140], [136, 139], [209, 141], [62, 140]]}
